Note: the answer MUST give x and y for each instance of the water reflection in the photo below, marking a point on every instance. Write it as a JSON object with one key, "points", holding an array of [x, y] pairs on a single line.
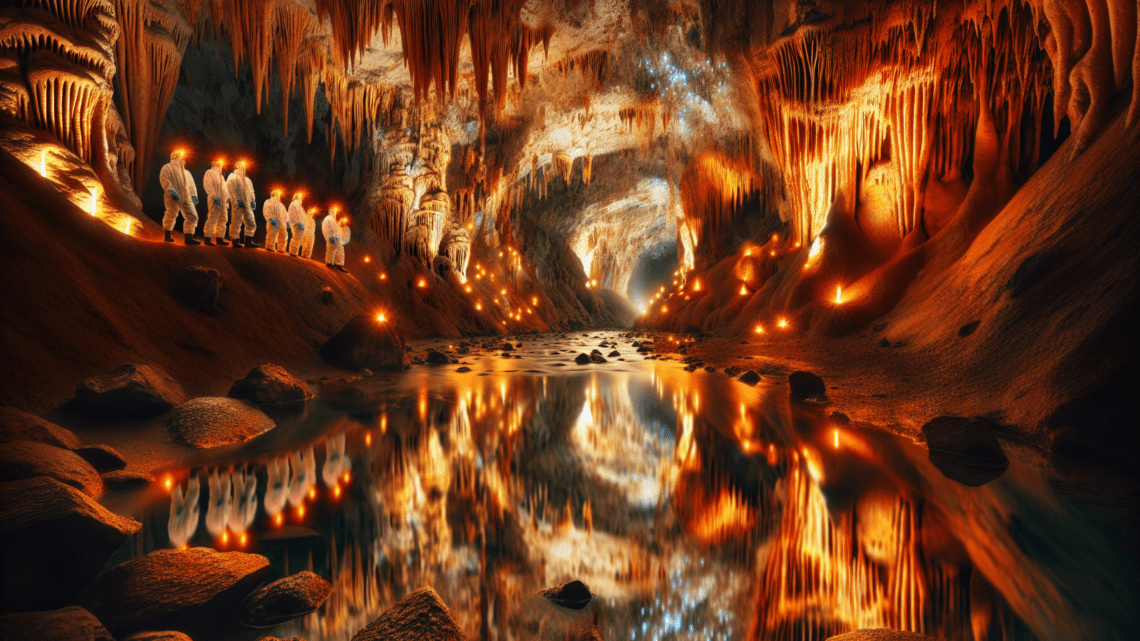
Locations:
{"points": [[695, 507]]}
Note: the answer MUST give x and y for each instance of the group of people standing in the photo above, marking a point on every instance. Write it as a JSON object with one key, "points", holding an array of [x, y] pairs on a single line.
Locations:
{"points": [[289, 230]]}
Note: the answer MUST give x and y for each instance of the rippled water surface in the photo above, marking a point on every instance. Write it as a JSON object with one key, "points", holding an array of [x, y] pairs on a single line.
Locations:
{"points": [[694, 506]]}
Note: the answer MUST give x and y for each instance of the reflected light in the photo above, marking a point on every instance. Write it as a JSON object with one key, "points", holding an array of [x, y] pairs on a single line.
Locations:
{"points": [[835, 438], [838, 294], [43, 163], [94, 200], [743, 290], [168, 483]]}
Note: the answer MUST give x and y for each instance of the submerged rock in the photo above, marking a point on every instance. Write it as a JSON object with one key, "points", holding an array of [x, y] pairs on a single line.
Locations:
{"points": [[806, 385], [198, 288], [103, 458], [732, 371], [179, 589], [750, 377], [436, 357], [18, 425], [269, 385], [597, 357], [69, 624], [286, 599], [421, 616], [24, 459], [964, 450], [127, 392], [64, 539], [211, 421], [365, 342], [582, 359], [574, 595]]}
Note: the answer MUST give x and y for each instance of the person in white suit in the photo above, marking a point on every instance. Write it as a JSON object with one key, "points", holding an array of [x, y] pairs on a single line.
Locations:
{"points": [[276, 222], [337, 234], [216, 196], [180, 197], [242, 204], [302, 228]]}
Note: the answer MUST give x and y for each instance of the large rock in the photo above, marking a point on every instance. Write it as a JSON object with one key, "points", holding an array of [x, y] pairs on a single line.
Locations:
{"points": [[574, 595], [421, 616], [211, 421], [964, 450], [102, 457], [53, 541], [198, 288], [269, 385], [128, 391], [806, 385], [69, 624], [881, 634], [367, 343], [24, 459], [286, 599], [174, 589], [18, 425], [565, 613]]}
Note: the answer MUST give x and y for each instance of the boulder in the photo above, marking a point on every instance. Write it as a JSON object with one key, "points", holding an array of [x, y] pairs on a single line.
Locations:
{"points": [[806, 385], [565, 613], [128, 392], [964, 450], [582, 359], [436, 357], [881, 634], [211, 421], [269, 385], [179, 589], [366, 342], [574, 595], [327, 296], [102, 457], [18, 425], [750, 377], [286, 599], [164, 635], [506, 347], [54, 540], [198, 288], [69, 624], [24, 459], [597, 357], [421, 616], [122, 479], [732, 371], [614, 354]]}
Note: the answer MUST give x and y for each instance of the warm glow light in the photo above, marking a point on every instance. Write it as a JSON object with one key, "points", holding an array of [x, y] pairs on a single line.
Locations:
{"points": [[838, 294], [127, 231], [421, 283], [43, 164], [478, 306], [367, 440], [243, 539], [300, 511], [336, 491], [664, 309], [815, 247], [94, 200], [346, 477], [168, 483], [278, 519], [743, 290], [380, 318], [383, 276], [467, 289], [503, 292], [783, 322], [534, 300], [772, 253], [759, 329], [225, 537], [835, 438], [312, 492], [696, 285], [367, 259], [748, 252]]}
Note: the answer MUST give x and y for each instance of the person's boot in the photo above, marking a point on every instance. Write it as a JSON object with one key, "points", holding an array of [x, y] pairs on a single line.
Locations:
{"points": [[249, 244], [190, 240], [169, 236], [209, 242], [222, 242], [341, 268], [237, 243], [329, 265]]}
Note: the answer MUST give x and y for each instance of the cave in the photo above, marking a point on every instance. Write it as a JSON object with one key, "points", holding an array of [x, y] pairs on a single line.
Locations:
{"points": [[569, 320]]}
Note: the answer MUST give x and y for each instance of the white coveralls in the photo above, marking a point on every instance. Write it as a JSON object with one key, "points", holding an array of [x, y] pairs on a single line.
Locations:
{"points": [[215, 185], [276, 224], [304, 230], [240, 188], [336, 237], [174, 176]]}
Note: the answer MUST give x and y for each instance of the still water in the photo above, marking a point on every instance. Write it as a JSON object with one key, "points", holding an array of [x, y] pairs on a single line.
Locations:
{"points": [[693, 506]]}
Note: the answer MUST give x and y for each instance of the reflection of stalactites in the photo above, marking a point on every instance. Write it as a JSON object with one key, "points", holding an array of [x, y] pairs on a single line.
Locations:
{"points": [[183, 523], [336, 463], [277, 485], [218, 509], [243, 508], [304, 476]]}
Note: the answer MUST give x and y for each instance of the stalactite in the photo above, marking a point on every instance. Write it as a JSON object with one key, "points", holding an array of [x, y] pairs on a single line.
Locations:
{"points": [[397, 197], [456, 245], [564, 165], [294, 26]]}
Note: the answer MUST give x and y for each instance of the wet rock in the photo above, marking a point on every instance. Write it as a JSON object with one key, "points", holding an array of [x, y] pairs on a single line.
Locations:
{"points": [[18, 425], [102, 457], [806, 385], [582, 359], [614, 354], [327, 296], [436, 357], [421, 616], [463, 369], [211, 421], [596, 357], [732, 371], [25, 459], [69, 624], [179, 589], [365, 342], [882, 634], [964, 450], [127, 392], [750, 377], [198, 288], [463, 349], [574, 595], [506, 347], [710, 370], [164, 635], [518, 345], [269, 385], [64, 539], [122, 479], [280, 639], [286, 599], [635, 344]]}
